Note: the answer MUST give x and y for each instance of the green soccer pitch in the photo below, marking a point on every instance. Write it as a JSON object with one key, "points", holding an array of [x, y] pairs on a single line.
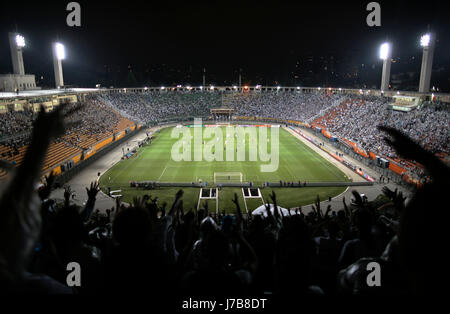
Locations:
{"points": [[297, 162]]}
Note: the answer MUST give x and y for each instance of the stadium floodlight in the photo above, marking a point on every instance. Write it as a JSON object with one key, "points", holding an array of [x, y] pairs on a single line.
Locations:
{"points": [[425, 40], [385, 55], [59, 54], [162, 87], [20, 41], [60, 51], [385, 49]]}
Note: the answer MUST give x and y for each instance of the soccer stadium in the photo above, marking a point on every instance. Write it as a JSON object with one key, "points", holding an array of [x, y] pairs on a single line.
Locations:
{"points": [[212, 189]]}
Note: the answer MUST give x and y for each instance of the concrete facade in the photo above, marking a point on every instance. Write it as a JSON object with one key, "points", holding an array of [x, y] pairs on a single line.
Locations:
{"points": [[14, 82]]}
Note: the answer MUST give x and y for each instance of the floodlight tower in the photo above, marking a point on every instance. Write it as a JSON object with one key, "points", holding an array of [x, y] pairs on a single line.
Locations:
{"points": [[385, 55], [204, 77], [427, 42], [16, 43], [59, 54], [240, 77]]}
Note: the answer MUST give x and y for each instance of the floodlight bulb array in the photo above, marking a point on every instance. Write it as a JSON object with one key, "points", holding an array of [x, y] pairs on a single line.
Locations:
{"points": [[60, 51], [425, 40], [384, 51], [20, 41]]}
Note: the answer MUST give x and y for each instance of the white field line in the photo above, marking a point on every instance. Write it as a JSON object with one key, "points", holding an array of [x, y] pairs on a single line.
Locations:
{"points": [[332, 169], [355, 177], [162, 172]]}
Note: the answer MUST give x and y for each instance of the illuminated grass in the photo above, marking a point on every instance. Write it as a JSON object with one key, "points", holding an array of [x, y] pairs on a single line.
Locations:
{"points": [[154, 163]]}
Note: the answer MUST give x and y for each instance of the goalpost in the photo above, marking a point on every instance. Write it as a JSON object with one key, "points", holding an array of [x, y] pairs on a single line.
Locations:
{"points": [[228, 177]]}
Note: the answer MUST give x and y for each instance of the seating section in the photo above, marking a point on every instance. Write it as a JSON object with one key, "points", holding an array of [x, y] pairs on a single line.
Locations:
{"points": [[96, 122], [349, 117]]}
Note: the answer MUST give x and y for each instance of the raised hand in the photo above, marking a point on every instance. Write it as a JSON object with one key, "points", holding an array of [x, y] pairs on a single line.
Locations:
{"points": [[118, 203], [346, 209], [178, 196], [402, 143], [93, 190], [136, 201], [20, 221], [239, 217], [67, 193], [328, 211], [269, 213], [388, 192], [45, 191], [319, 211], [235, 200], [358, 200], [206, 207], [51, 124], [89, 207], [409, 149], [273, 197], [397, 197]]}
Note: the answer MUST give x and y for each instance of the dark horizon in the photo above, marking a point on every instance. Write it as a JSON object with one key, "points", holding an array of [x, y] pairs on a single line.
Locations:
{"points": [[295, 44]]}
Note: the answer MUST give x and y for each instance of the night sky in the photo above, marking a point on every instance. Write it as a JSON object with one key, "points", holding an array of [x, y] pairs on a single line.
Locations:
{"points": [[128, 43]]}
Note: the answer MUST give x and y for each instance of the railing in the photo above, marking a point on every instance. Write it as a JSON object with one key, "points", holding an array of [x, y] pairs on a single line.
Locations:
{"points": [[158, 184]]}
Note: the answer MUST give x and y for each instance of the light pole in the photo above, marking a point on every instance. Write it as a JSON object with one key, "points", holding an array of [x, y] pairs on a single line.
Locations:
{"points": [[59, 54], [385, 55], [427, 42], [16, 43]]}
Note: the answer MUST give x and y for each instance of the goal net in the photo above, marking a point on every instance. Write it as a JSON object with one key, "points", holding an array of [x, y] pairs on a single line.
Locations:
{"points": [[228, 177]]}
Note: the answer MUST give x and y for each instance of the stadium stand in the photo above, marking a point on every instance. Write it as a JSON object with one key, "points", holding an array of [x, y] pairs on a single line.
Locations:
{"points": [[351, 118], [92, 124], [325, 251]]}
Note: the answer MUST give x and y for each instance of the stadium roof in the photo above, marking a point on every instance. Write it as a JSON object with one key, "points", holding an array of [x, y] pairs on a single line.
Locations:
{"points": [[46, 92]]}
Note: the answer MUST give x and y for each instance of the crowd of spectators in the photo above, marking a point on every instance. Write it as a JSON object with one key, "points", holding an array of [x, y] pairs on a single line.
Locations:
{"points": [[354, 118], [357, 118], [350, 117], [15, 122], [153, 107], [282, 105], [92, 120], [154, 249], [15, 126]]}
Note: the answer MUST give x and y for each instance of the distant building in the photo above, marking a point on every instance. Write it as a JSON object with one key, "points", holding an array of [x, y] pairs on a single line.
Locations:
{"points": [[18, 81], [14, 82]]}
